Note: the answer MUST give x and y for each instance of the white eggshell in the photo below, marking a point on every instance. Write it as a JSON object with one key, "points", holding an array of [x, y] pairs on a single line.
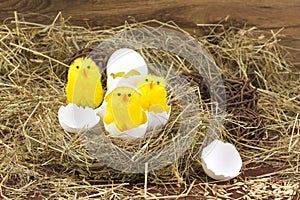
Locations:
{"points": [[118, 53], [134, 133], [221, 161], [73, 118], [157, 120], [100, 111], [125, 60]]}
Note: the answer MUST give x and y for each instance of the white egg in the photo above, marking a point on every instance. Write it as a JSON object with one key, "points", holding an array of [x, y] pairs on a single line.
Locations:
{"points": [[157, 120], [221, 161], [127, 66], [73, 118]]}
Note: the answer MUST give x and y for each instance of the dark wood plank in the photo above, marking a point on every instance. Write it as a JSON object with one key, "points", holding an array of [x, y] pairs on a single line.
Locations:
{"points": [[265, 14]]}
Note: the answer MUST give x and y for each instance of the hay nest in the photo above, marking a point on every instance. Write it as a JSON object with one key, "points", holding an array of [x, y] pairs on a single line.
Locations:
{"points": [[40, 160]]}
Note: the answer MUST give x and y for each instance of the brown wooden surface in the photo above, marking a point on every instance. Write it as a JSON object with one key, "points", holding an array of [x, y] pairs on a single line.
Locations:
{"points": [[265, 14]]}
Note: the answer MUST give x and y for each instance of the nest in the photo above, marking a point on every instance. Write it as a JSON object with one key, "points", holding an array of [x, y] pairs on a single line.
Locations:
{"points": [[40, 160], [244, 120]]}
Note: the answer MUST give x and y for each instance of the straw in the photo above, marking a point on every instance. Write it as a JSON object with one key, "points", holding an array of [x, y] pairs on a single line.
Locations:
{"points": [[40, 160]]}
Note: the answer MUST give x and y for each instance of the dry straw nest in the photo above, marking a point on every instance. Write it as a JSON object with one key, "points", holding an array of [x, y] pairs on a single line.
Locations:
{"points": [[39, 160]]}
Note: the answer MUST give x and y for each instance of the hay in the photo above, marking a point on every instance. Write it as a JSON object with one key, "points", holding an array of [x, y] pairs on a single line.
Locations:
{"points": [[39, 159]]}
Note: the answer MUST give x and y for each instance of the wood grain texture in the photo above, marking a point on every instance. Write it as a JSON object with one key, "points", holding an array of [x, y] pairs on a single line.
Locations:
{"points": [[265, 14]]}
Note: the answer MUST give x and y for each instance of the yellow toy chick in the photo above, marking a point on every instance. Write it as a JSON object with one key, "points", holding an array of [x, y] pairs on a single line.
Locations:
{"points": [[84, 86], [154, 94], [124, 109]]}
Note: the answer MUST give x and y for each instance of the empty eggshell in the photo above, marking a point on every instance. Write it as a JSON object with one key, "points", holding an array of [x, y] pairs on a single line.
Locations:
{"points": [[221, 161], [125, 65], [157, 120], [73, 118]]}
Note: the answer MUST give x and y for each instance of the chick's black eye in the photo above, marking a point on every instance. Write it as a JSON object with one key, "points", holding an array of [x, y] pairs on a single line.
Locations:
{"points": [[129, 95], [158, 82], [77, 67], [146, 80], [119, 94], [88, 67]]}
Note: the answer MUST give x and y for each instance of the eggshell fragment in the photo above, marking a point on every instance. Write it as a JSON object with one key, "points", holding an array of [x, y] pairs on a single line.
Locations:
{"points": [[100, 111], [157, 120], [125, 65], [73, 118], [134, 133], [221, 161]]}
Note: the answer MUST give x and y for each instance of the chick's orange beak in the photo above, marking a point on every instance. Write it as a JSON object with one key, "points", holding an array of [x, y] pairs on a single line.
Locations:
{"points": [[151, 85], [125, 98], [85, 73]]}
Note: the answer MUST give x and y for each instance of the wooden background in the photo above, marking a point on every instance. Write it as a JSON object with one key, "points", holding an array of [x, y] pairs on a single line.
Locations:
{"points": [[264, 14]]}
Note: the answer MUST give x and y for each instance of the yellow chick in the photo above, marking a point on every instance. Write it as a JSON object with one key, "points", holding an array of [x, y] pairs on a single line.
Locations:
{"points": [[84, 86], [154, 94], [124, 109]]}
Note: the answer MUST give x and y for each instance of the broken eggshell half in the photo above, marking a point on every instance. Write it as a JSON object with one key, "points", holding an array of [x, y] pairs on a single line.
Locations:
{"points": [[221, 161], [73, 118], [157, 120], [125, 65], [133, 133]]}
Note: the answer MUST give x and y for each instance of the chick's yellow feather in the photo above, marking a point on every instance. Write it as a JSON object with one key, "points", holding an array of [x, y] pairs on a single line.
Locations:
{"points": [[124, 109], [84, 86], [154, 94]]}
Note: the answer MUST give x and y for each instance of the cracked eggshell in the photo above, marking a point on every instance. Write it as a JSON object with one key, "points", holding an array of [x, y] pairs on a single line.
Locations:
{"points": [[134, 133], [73, 118], [100, 111], [221, 161], [157, 120], [125, 65]]}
